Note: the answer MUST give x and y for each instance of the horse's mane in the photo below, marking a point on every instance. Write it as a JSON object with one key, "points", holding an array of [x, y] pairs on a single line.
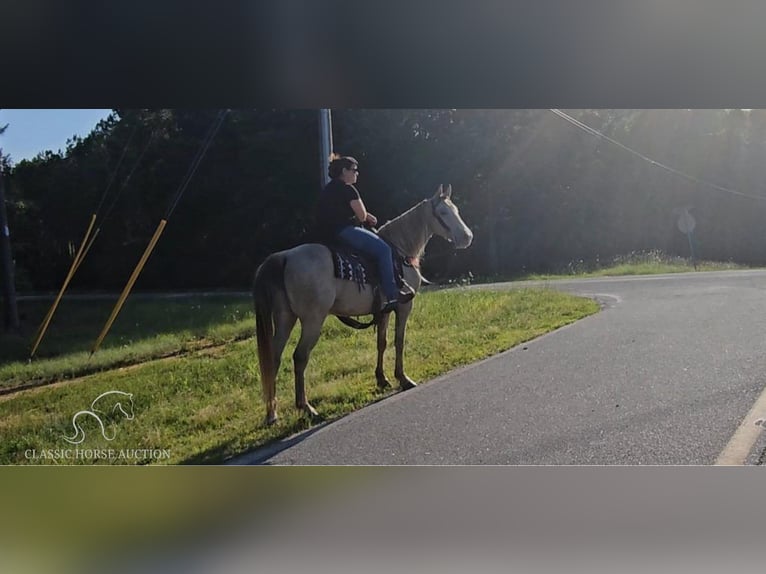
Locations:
{"points": [[401, 225], [404, 215]]}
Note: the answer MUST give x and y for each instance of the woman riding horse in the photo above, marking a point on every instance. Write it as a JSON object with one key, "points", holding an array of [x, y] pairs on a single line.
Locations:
{"points": [[300, 284], [340, 213]]}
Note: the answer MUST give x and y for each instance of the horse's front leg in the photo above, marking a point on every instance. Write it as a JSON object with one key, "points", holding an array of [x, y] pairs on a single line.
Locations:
{"points": [[380, 375], [402, 314]]}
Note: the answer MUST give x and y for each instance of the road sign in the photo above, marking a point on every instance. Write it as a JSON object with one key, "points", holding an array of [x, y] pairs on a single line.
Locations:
{"points": [[686, 222]]}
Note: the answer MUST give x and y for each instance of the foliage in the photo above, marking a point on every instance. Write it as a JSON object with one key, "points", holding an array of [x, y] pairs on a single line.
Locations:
{"points": [[537, 191]]}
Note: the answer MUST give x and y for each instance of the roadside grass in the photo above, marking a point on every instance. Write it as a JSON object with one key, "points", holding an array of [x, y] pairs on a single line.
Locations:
{"points": [[145, 329], [649, 268], [652, 262], [205, 406]]}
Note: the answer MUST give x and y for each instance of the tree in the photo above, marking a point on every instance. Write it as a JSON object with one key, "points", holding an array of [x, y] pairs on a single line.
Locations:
{"points": [[10, 314], [539, 193]]}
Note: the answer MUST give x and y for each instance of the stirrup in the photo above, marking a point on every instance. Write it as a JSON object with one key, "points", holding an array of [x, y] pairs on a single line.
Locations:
{"points": [[405, 296]]}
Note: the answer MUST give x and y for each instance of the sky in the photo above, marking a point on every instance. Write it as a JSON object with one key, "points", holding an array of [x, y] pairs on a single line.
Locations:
{"points": [[33, 131]]}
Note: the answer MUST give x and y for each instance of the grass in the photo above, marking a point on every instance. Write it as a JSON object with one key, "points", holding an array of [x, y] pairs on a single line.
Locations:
{"points": [[205, 405], [145, 329], [652, 262]]}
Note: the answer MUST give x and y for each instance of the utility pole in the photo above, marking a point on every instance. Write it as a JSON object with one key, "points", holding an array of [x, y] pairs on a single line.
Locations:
{"points": [[6, 266], [325, 144]]}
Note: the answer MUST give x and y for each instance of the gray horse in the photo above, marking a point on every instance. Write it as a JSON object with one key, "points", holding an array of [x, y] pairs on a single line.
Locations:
{"points": [[300, 283]]}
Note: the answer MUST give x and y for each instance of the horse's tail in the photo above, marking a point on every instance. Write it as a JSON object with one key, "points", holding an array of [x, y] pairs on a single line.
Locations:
{"points": [[269, 281]]}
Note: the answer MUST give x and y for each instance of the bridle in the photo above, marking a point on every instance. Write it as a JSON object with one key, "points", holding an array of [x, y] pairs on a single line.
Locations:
{"points": [[439, 217]]}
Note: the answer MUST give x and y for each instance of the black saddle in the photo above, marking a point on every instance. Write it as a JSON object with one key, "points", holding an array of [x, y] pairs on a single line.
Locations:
{"points": [[350, 265]]}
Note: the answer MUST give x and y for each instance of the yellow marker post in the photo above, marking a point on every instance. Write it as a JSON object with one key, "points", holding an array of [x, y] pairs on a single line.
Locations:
{"points": [[75, 264], [87, 249], [129, 286]]}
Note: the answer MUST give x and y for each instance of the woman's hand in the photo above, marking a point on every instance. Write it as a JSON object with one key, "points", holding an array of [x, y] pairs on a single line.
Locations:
{"points": [[371, 219]]}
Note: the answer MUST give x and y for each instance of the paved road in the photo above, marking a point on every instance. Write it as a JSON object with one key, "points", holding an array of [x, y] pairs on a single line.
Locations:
{"points": [[665, 374]]}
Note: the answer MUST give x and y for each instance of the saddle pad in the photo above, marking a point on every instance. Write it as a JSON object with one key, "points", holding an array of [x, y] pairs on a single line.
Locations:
{"points": [[350, 267]]}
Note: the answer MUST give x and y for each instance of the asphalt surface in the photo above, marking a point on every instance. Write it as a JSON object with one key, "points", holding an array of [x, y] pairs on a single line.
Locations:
{"points": [[663, 375]]}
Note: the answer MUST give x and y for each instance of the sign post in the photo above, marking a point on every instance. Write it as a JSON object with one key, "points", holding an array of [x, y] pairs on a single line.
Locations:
{"points": [[686, 224]]}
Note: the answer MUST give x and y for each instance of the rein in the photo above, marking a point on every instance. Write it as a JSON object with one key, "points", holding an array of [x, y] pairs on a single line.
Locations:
{"points": [[408, 260]]}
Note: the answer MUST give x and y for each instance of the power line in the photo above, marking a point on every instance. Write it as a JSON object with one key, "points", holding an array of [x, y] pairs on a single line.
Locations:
{"points": [[113, 203], [130, 174], [211, 133], [208, 139], [672, 170], [90, 236], [116, 169]]}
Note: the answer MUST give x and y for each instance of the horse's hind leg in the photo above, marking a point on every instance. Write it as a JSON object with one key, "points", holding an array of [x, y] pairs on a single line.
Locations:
{"points": [[380, 374], [284, 321], [311, 327]]}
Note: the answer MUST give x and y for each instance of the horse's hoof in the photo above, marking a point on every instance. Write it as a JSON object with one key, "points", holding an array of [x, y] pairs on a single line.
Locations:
{"points": [[384, 384], [406, 383], [310, 412]]}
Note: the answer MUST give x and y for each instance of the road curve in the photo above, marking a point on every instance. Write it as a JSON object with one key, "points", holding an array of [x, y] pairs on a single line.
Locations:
{"points": [[666, 374]]}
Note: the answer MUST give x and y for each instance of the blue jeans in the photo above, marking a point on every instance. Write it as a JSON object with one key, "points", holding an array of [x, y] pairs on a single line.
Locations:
{"points": [[368, 243]]}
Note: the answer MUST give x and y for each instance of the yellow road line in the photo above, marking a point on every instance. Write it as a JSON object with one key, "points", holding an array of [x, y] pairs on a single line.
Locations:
{"points": [[740, 445]]}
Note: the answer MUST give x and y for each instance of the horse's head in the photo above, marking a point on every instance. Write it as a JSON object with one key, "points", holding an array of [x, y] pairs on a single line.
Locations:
{"points": [[126, 406], [446, 221]]}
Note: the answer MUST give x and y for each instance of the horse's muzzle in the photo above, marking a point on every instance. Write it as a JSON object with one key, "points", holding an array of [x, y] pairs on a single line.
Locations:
{"points": [[464, 240]]}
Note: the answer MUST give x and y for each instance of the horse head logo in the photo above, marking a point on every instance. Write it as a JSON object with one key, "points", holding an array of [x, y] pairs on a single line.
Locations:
{"points": [[108, 403]]}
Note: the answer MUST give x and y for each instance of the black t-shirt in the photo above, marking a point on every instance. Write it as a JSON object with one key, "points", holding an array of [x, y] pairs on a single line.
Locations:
{"points": [[334, 211]]}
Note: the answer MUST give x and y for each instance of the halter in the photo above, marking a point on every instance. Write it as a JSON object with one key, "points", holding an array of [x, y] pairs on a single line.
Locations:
{"points": [[439, 217]]}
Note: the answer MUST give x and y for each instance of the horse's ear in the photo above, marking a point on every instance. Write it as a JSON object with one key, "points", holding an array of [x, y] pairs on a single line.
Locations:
{"points": [[439, 192], [447, 194]]}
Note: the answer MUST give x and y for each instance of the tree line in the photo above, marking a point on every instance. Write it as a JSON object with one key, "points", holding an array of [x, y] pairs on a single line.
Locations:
{"points": [[538, 192]]}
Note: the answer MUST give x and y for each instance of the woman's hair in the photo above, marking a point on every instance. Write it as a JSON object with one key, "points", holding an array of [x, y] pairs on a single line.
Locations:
{"points": [[338, 163]]}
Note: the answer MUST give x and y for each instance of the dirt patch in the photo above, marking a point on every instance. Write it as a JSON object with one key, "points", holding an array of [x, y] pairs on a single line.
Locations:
{"points": [[201, 349]]}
